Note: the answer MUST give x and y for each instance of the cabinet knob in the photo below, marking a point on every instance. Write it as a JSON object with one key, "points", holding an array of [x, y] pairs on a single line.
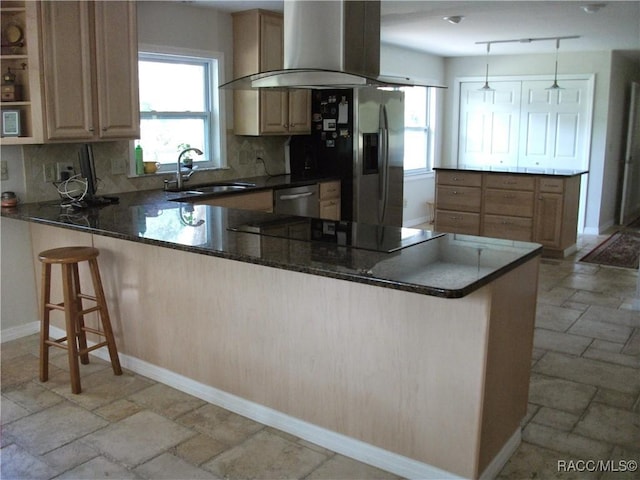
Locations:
{"points": [[104, 129], [91, 129]]}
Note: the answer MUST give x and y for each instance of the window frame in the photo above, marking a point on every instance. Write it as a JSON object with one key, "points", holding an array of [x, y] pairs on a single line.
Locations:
{"points": [[429, 131], [215, 139]]}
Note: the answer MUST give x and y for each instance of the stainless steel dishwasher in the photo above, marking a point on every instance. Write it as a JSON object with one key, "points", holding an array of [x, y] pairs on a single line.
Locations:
{"points": [[302, 201]]}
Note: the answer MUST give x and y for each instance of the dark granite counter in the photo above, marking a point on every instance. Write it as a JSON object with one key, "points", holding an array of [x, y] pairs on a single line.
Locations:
{"points": [[447, 265], [555, 172]]}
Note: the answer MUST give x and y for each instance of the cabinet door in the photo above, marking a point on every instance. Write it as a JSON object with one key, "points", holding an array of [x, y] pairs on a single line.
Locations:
{"points": [[117, 69], [66, 42], [554, 125], [300, 111], [548, 222], [274, 106], [330, 209], [489, 123]]}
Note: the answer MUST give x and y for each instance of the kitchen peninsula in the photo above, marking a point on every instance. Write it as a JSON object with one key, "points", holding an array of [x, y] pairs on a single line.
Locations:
{"points": [[409, 350]]}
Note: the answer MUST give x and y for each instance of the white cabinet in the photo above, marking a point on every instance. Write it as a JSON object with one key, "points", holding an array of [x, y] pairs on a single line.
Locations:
{"points": [[554, 125], [90, 65], [258, 47], [524, 124]]}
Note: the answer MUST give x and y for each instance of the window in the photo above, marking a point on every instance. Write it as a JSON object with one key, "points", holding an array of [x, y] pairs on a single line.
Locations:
{"points": [[419, 123], [180, 108]]}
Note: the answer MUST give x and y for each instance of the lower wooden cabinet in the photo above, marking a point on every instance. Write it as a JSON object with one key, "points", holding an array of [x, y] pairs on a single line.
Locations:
{"points": [[524, 207], [329, 199]]}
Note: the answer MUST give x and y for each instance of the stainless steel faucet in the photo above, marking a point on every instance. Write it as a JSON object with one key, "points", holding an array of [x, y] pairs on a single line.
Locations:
{"points": [[180, 178]]}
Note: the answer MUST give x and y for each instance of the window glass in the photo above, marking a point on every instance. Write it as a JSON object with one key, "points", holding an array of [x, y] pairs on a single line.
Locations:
{"points": [[418, 133], [179, 108]]}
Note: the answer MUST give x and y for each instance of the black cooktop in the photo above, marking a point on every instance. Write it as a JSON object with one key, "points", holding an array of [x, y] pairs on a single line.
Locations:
{"points": [[378, 238]]}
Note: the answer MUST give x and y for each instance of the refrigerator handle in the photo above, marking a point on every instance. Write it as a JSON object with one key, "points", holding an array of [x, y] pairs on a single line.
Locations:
{"points": [[383, 176]]}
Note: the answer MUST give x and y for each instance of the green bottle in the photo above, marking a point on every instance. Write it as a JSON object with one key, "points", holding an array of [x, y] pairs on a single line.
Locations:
{"points": [[139, 161]]}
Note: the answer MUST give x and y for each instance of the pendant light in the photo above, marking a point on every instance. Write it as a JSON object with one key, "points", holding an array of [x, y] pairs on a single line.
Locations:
{"points": [[555, 85], [486, 86]]}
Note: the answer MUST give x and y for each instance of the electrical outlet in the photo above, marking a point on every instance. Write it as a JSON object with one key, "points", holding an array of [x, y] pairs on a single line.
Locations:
{"points": [[405, 203], [4, 170], [64, 171], [49, 172]]}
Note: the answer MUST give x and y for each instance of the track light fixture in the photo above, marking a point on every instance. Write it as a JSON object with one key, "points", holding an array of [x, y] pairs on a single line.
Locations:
{"points": [[555, 85], [486, 86]]}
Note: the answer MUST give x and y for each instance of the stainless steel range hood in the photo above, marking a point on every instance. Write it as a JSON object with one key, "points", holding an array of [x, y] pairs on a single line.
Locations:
{"points": [[328, 44]]}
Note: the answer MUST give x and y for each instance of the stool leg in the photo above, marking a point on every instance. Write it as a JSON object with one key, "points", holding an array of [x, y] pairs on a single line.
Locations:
{"points": [[70, 315], [45, 297], [79, 324], [104, 316]]}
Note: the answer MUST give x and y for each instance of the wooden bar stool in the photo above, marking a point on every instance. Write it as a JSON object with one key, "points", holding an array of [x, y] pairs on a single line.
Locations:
{"points": [[72, 306]]}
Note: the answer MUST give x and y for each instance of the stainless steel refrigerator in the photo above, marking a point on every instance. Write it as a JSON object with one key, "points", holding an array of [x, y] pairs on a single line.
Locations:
{"points": [[357, 135]]}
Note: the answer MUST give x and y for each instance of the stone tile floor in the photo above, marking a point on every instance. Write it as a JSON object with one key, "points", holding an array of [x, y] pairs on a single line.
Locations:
{"points": [[584, 405]]}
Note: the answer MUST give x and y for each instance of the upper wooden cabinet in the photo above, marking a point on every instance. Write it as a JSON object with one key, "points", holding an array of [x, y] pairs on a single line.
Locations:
{"points": [[90, 65], [20, 53], [258, 43]]}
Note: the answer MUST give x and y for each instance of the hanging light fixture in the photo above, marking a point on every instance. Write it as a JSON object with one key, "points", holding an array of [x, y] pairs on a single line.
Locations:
{"points": [[486, 86], [555, 85]]}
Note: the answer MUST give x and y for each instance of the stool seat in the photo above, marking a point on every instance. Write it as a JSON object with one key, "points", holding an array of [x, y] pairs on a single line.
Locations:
{"points": [[75, 341], [68, 254]]}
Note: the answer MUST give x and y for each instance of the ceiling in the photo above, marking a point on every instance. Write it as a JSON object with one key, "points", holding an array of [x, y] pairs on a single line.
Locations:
{"points": [[419, 25]]}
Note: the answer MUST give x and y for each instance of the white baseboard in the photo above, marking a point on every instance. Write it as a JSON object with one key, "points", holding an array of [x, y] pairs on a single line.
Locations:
{"points": [[347, 446], [503, 456], [416, 221], [13, 333]]}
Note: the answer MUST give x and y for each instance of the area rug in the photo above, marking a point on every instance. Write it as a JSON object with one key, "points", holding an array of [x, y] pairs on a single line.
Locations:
{"points": [[622, 249]]}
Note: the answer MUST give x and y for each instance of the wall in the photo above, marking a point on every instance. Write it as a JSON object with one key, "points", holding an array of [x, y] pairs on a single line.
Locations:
{"points": [[598, 63], [624, 70]]}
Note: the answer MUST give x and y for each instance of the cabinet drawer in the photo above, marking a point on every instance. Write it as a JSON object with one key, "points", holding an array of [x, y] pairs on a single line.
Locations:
{"points": [[457, 222], [551, 185], [513, 228], [466, 199], [510, 182], [329, 190], [465, 179], [508, 202]]}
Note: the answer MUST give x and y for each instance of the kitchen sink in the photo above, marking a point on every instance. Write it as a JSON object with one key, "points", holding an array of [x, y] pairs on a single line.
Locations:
{"points": [[217, 187]]}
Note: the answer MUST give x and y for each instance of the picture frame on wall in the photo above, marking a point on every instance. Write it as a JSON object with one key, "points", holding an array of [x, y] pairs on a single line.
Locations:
{"points": [[11, 123]]}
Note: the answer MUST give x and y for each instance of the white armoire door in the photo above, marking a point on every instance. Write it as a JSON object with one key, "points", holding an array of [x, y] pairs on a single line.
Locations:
{"points": [[489, 125], [554, 125]]}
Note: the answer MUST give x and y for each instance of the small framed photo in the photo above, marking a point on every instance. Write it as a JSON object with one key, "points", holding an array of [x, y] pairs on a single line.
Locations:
{"points": [[11, 123]]}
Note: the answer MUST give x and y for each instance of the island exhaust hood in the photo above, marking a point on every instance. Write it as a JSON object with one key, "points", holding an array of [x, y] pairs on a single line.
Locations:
{"points": [[328, 44]]}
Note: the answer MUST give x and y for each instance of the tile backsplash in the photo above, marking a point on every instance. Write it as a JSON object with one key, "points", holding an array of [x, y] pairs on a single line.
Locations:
{"points": [[238, 148]]}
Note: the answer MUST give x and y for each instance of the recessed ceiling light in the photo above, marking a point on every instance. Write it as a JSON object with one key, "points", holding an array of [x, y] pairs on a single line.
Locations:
{"points": [[592, 7], [454, 19]]}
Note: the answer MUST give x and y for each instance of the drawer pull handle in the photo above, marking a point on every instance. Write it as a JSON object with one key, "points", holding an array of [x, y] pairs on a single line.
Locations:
{"points": [[506, 195]]}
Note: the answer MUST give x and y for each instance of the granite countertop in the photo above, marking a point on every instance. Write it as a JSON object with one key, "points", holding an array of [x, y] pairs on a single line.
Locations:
{"points": [[555, 172], [442, 265]]}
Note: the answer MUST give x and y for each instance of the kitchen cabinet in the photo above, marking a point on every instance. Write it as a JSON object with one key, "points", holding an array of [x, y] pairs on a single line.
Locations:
{"points": [[524, 207], [261, 200], [20, 53], [458, 200], [258, 44], [90, 67], [329, 198], [556, 216]]}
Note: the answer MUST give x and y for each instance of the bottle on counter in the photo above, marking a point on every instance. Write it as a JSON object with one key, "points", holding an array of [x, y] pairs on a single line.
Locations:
{"points": [[139, 161]]}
